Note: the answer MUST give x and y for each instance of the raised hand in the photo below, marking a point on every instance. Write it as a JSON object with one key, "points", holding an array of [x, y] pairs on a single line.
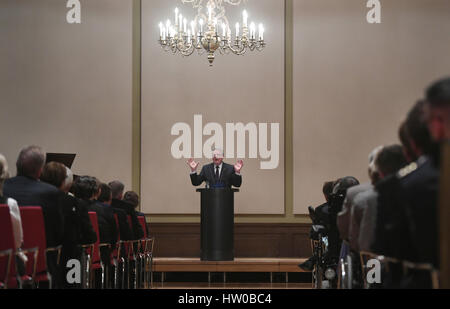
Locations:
{"points": [[193, 165], [238, 166]]}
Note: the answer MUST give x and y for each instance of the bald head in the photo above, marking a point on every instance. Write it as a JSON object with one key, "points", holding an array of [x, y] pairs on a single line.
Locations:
{"points": [[30, 162]]}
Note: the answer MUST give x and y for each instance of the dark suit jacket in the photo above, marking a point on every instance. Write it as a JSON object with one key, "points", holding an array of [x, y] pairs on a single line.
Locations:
{"points": [[125, 231], [137, 232], [31, 192], [228, 176], [106, 223], [407, 214], [421, 195], [78, 230]]}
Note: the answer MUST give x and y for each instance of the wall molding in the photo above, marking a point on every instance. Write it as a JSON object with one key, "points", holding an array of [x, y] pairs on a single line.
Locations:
{"points": [[289, 216], [277, 240]]}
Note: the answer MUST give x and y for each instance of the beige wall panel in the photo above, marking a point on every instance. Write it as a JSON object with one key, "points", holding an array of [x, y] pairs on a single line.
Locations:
{"points": [[354, 82], [67, 87], [236, 89]]}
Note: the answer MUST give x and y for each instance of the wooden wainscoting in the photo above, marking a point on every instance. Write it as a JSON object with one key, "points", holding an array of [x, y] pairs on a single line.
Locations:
{"points": [[252, 240]]}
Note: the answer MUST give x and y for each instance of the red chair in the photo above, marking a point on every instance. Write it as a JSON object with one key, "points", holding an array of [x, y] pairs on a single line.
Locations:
{"points": [[147, 250], [96, 262], [143, 224], [34, 236], [8, 272], [7, 265], [132, 250], [118, 257]]}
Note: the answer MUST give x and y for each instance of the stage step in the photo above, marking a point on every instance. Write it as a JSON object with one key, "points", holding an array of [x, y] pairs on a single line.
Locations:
{"points": [[238, 265]]}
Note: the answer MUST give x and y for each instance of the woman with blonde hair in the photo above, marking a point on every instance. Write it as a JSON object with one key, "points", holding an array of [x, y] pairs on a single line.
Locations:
{"points": [[13, 209]]}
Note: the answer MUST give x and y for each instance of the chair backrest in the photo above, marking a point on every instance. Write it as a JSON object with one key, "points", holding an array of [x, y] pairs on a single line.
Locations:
{"points": [[143, 223], [115, 251], [34, 235], [94, 222], [130, 223], [6, 243], [116, 219]]}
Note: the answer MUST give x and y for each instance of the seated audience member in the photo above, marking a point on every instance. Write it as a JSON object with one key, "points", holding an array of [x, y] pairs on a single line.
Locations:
{"points": [[132, 198], [420, 182], [344, 217], [78, 229], [391, 235], [87, 189], [117, 189], [105, 199], [14, 213], [27, 190], [362, 228], [407, 211]]}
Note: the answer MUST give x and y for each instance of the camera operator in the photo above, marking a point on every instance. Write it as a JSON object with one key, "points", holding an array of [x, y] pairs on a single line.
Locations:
{"points": [[320, 216], [336, 201], [326, 215]]}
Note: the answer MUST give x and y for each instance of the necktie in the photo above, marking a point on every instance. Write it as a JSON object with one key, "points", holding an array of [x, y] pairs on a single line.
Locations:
{"points": [[217, 173]]}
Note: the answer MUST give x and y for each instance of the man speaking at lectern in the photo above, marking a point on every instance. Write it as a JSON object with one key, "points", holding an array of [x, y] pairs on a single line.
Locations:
{"points": [[217, 174]]}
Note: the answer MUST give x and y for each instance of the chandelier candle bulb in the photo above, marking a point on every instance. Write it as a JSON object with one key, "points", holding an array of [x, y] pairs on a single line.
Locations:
{"points": [[185, 39], [245, 18], [176, 16], [168, 28], [224, 30], [193, 27]]}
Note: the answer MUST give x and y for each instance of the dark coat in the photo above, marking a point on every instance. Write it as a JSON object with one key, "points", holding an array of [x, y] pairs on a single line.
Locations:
{"points": [[227, 178], [136, 230], [31, 192]]}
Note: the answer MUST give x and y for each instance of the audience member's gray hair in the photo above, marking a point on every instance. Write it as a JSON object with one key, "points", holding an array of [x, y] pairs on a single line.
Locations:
{"points": [[30, 161], [69, 179], [372, 158], [3, 168], [116, 189]]}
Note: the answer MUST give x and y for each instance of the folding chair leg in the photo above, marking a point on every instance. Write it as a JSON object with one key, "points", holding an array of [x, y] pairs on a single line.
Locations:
{"points": [[123, 274], [50, 281], [116, 273], [102, 267], [86, 272], [136, 264]]}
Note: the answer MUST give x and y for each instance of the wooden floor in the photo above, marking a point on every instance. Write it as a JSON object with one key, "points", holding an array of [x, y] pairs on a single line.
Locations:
{"points": [[270, 265]]}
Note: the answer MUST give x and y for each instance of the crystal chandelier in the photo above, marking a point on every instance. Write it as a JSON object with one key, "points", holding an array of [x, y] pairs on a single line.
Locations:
{"points": [[210, 32]]}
